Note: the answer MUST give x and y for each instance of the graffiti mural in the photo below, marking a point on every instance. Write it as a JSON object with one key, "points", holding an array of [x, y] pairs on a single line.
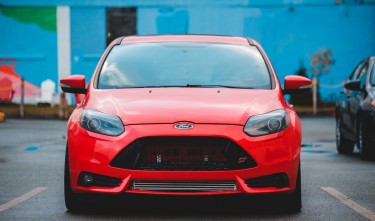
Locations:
{"points": [[10, 84], [28, 50]]}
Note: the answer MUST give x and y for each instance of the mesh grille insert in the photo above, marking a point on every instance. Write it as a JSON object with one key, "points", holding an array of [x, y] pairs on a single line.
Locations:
{"points": [[182, 154]]}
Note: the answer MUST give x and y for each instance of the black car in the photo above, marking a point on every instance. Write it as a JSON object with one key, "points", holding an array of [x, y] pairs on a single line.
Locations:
{"points": [[355, 111]]}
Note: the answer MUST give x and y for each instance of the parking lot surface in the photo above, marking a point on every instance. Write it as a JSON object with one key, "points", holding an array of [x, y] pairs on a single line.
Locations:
{"points": [[334, 187]]}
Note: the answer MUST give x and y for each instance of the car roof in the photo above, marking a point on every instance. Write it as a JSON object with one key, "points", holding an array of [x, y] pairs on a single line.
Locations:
{"points": [[187, 38]]}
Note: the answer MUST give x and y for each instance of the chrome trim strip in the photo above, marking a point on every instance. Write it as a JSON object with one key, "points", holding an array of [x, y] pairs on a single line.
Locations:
{"points": [[184, 186]]}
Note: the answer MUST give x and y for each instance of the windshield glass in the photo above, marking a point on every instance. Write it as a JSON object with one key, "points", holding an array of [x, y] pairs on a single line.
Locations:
{"points": [[184, 64]]}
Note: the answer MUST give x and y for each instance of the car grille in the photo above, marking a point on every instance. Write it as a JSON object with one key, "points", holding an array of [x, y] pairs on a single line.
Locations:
{"points": [[184, 186], [183, 154]]}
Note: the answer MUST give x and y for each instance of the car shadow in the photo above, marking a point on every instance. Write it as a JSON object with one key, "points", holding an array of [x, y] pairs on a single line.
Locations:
{"points": [[355, 155], [160, 207]]}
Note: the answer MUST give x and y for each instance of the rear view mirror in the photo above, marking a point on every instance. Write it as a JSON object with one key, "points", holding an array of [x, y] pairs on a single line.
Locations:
{"points": [[353, 85], [294, 84], [74, 84]]}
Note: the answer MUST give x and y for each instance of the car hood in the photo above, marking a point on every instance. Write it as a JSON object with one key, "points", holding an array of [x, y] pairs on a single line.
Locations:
{"points": [[196, 105]]}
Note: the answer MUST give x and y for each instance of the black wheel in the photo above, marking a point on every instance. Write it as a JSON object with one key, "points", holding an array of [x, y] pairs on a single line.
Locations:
{"points": [[72, 200], [344, 145], [365, 145], [293, 202]]}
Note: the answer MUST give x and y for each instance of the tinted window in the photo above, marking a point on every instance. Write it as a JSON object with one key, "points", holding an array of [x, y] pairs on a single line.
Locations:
{"points": [[183, 64]]}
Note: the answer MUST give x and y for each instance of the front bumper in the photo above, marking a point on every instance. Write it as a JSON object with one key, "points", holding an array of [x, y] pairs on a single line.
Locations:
{"points": [[274, 153]]}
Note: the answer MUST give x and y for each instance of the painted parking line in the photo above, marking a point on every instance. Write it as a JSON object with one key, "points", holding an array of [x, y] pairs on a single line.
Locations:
{"points": [[22, 198], [350, 203]]}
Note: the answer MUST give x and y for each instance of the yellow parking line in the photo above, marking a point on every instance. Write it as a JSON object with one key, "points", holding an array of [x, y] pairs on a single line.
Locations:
{"points": [[350, 203], [22, 198]]}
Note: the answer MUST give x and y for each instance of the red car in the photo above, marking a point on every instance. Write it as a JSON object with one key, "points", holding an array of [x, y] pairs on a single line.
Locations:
{"points": [[183, 115]]}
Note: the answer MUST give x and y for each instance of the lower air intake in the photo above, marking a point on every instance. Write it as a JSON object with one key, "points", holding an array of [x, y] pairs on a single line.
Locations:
{"points": [[184, 186], [278, 180]]}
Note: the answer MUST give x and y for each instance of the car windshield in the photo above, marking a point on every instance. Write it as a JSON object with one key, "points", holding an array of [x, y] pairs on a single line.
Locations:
{"points": [[184, 64]]}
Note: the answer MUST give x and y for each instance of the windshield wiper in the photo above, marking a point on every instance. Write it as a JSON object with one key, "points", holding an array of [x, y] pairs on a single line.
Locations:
{"points": [[187, 85], [122, 87], [216, 85]]}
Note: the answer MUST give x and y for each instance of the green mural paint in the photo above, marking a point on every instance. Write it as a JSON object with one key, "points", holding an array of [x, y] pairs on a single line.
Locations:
{"points": [[45, 17]]}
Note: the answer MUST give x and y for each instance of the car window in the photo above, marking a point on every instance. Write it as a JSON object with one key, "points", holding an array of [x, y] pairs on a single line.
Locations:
{"points": [[372, 77], [363, 71], [182, 64], [355, 74]]}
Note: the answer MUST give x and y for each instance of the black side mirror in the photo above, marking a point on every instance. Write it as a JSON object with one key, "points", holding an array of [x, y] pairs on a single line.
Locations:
{"points": [[353, 85]]}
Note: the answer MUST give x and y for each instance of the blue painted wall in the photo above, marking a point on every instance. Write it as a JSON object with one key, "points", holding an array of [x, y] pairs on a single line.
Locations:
{"points": [[88, 38], [33, 47]]}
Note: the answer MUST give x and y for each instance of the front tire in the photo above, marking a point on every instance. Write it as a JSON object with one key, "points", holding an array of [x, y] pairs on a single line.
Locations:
{"points": [[344, 146], [364, 142], [71, 199], [293, 202]]}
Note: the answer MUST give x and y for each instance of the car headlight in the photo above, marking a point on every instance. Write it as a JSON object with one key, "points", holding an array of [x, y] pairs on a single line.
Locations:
{"points": [[268, 123], [101, 123]]}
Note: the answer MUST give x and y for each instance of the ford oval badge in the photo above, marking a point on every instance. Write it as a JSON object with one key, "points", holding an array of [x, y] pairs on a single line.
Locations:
{"points": [[183, 126]]}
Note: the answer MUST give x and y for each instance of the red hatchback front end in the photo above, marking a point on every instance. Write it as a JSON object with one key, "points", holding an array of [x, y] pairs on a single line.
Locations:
{"points": [[183, 115]]}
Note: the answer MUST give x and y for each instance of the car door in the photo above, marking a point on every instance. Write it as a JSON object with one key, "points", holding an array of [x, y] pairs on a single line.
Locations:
{"points": [[344, 104], [355, 99]]}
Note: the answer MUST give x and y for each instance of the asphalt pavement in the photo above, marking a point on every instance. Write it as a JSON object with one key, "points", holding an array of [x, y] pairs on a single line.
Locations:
{"points": [[334, 187]]}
